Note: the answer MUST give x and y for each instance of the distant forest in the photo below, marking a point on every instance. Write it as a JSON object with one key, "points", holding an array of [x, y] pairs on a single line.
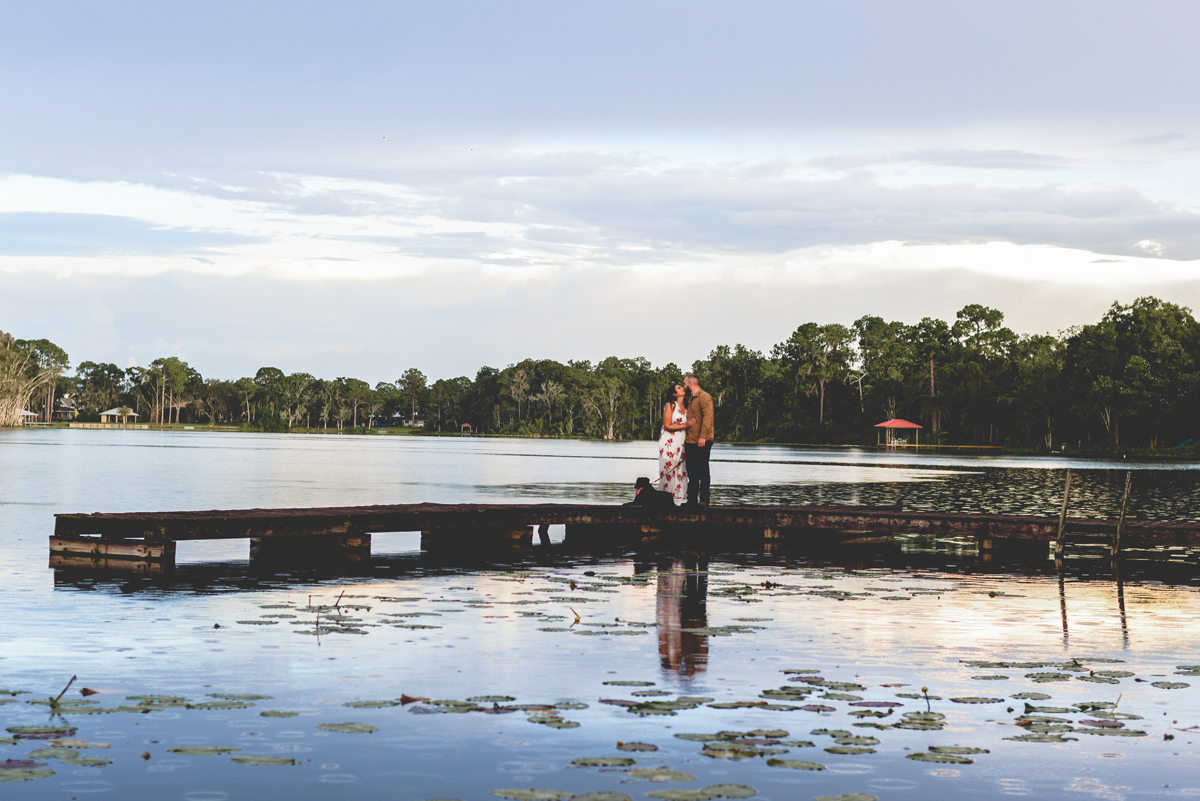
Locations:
{"points": [[1128, 380]]}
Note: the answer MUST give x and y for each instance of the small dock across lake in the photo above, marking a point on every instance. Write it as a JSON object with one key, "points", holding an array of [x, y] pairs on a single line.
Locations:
{"points": [[128, 540]]}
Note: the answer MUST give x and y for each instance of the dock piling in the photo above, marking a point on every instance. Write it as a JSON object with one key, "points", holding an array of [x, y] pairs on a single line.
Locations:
{"points": [[1061, 539], [1116, 542]]}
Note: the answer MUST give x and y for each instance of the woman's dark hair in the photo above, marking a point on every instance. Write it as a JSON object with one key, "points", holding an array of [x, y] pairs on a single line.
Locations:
{"points": [[670, 397]]}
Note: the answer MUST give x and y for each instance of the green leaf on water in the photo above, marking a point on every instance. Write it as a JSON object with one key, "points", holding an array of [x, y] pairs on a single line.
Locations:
{"points": [[491, 699], [371, 704], [262, 761], [977, 700], [729, 791], [202, 750], [625, 683], [52, 753], [1169, 685], [277, 713], [603, 762], [532, 795], [1042, 738], [849, 749], [956, 749], [794, 764], [87, 762], [221, 705], [1031, 696], [239, 697], [953, 759], [348, 728], [636, 747], [990, 678], [24, 774], [856, 741]]}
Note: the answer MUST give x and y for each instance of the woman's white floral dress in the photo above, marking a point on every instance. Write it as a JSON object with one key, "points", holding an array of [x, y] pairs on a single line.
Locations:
{"points": [[672, 474]]}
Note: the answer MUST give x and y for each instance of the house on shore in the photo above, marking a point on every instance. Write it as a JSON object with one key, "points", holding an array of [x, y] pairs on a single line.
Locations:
{"points": [[64, 410], [115, 416]]}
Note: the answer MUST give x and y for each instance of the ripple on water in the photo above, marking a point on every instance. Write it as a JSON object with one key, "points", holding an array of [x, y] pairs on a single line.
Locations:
{"points": [[337, 778], [86, 787], [205, 795]]}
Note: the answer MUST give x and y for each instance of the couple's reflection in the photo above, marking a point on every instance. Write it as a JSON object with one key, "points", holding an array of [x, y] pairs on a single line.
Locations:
{"points": [[682, 592]]}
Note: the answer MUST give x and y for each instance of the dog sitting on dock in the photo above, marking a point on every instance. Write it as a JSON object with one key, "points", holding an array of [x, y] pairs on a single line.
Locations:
{"points": [[644, 494]]}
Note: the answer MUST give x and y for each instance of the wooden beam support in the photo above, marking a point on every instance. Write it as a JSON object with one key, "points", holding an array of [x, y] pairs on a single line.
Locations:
{"points": [[1116, 542], [1061, 538]]}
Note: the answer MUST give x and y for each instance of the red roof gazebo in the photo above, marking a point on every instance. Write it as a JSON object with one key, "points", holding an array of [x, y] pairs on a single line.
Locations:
{"points": [[892, 425]]}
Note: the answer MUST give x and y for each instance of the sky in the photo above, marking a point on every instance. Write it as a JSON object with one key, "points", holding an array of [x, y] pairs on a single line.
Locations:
{"points": [[356, 189]]}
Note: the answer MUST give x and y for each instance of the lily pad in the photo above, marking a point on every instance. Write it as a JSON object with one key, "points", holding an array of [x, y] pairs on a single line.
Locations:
{"points": [[1169, 685], [371, 704], [623, 683], [41, 732], [73, 743], [222, 705], [170, 700], [953, 759], [1041, 738], [977, 700], [489, 699], [1098, 679], [794, 764], [24, 774], [349, 728], [956, 749], [239, 697], [603, 762], [1031, 696], [681, 795], [262, 761], [636, 747], [277, 713], [729, 791], [990, 678], [661, 775], [1043, 678], [202, 750], [849, 749], [532, 795], [52, 753], [87, 761], [1112, 732]]}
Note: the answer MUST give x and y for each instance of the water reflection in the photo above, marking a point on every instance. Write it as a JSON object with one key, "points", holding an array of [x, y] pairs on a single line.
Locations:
{"points": [[681, 604]]}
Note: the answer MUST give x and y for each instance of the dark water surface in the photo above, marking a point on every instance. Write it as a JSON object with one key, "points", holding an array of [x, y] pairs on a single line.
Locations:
{"points": [[720, 630]]}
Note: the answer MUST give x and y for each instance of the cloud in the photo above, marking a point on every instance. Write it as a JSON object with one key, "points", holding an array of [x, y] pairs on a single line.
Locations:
{"points": [[31, 233], [948, 157]]}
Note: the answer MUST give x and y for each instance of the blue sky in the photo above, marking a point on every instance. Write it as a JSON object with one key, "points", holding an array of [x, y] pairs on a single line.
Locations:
{"points": [[357, 190]]}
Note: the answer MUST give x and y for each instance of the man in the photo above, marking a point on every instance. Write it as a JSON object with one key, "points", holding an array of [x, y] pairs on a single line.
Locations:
{"points": [[698, 444]]}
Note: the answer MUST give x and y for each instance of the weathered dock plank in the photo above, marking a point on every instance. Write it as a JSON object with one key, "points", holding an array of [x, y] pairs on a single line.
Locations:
{"points": [[427, 517]]}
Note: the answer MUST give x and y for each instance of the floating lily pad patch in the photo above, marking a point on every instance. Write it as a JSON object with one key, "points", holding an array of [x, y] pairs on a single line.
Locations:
{"points": [[532, 795], [794, 764], [277, 713], [849, 749], [348, 728], [257, 622], [23, 774], [262, 761], [52, 753], [990, 677], [203, 750], [491, 699], [221, 705], [1041, 738], [625, 683], [952, 759], [73, 743], [603, 762], [956, 749], [239, 697], [1031, 696], [1169, 685], [972, 699], [636, 747], [371, 704], [41, 732]]}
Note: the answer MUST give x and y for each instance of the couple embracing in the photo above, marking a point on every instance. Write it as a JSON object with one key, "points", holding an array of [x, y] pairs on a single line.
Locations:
{"points": [[685, 443]]}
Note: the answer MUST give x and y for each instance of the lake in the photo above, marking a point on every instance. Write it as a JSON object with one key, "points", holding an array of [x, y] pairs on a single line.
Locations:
{"points": [[772, 676]]}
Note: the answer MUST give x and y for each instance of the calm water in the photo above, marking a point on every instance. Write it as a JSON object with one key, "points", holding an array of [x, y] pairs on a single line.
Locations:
{"points": [[875, 627]]}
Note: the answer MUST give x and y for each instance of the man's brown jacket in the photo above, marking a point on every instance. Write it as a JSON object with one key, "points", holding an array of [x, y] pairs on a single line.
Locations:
{"points": [[701, 409]]}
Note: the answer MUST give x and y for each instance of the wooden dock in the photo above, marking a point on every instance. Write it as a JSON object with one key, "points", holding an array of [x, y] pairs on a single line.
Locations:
{"points": [[130, 539]]}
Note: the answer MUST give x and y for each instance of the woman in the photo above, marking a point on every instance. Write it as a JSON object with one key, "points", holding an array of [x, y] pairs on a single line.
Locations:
{"points": [[672, 474]]}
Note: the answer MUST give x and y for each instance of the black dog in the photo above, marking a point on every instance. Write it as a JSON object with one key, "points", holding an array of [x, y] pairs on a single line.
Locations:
{"points": [[646, 495]]}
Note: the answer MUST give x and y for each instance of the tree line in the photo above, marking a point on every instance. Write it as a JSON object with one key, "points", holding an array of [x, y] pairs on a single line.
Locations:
{"points": [[1129, 380]]}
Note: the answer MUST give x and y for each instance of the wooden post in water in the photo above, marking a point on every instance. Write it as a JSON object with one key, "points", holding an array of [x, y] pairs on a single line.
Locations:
{"points": [[1060, 542], [1116, 543]]}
